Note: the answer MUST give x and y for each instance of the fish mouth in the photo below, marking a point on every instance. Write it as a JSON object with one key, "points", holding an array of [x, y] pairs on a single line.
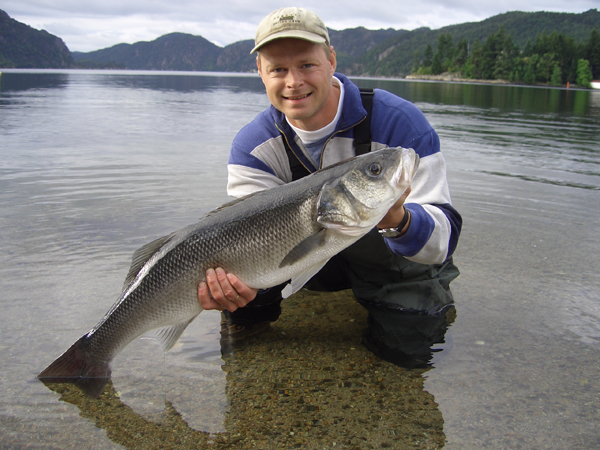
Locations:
{"points": [[406, 171]]}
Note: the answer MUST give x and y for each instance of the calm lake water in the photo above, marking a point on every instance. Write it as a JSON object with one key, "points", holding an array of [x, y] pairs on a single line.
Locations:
{"points": [[95, 164]]}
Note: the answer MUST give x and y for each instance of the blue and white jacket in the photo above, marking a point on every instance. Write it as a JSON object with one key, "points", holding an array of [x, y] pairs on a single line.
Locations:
{"points": [[258, 161]]}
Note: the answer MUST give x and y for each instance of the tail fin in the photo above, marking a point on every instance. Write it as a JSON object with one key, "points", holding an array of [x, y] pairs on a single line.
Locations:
{"points": [[74, 366]]}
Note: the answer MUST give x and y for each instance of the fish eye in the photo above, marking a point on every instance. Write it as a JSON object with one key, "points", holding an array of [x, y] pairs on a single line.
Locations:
{"points": [[375, 169]]}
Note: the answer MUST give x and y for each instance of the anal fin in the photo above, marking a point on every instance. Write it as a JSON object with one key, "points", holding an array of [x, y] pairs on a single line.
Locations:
{"points": [[168, 336]]}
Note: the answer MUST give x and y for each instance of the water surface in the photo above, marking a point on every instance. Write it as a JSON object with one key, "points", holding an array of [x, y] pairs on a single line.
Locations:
{"points": [[94, 164]]}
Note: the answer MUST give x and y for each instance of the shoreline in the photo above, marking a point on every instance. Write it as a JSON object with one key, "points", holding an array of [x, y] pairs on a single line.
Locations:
{"points": [[444, 78], [456, 79], [453, 78]]}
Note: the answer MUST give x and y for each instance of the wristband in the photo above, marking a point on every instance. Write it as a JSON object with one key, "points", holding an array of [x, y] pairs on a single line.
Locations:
{"points": [[395, 232]]}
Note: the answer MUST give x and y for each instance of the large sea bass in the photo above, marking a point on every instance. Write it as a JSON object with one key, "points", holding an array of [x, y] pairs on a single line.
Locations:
{"points": [[285, 233]]}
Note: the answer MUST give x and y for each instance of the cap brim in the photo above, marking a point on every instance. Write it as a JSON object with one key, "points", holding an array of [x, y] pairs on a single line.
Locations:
{"points": [[294, 34]]}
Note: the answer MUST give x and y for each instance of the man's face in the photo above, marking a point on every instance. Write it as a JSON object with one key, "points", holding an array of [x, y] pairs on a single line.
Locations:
{"points": [[297, 76]]}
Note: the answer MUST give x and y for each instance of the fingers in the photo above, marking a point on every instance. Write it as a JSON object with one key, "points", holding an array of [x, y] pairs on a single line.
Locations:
{"points": [[247, 294], [404, 195], [396, 213], [205, 299], [224, 291]]}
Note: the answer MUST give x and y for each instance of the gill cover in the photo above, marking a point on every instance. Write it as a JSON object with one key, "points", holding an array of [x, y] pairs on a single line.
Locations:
{"points": [[336, 209]]}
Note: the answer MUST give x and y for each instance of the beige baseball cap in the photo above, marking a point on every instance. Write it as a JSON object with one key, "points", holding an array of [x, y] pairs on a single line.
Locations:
{"points": [[291, 22]]}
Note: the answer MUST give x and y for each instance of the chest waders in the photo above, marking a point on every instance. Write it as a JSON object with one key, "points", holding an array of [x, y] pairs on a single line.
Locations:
{"points": [[409, 304]]}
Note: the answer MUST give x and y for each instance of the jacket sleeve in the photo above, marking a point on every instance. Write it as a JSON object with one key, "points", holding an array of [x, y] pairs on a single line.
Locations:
{"points": [[435, 225], [257, 160], [243, 180]]}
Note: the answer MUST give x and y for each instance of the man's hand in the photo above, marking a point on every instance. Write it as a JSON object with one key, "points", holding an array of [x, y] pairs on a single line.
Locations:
{"points": [[395, 215], [224, 291]]}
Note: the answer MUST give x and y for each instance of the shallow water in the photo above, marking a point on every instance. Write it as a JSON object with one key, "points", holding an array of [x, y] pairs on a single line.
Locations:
{"points": [[95, 164]]}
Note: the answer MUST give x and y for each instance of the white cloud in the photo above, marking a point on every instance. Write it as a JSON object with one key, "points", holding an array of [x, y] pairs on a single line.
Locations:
{"points": [[87, 25]]}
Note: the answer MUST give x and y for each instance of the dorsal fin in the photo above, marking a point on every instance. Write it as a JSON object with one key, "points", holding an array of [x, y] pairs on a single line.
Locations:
{"points": [[232, 202], [142, 255]]}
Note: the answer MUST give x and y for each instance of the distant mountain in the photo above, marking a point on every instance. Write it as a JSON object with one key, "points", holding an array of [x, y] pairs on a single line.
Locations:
{"points": [[395, 56], [178, 51], [175, 51], [386, 53], [25, 47], [351, 43], [236, 57]]}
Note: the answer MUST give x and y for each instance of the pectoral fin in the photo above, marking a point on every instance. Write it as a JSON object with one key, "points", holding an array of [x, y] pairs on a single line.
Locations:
{"points": [[304, 248], [297, 283]]}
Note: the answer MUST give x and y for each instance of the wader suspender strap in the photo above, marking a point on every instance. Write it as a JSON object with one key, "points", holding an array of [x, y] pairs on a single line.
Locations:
{"points": [[362, 137], [362, 131]]}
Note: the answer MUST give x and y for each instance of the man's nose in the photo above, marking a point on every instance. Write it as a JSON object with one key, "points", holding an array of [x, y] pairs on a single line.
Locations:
{"points": [[294, 79]]}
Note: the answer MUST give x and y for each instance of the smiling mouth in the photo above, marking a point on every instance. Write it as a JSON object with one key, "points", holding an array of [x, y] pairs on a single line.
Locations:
{"points": [[297, 97]]}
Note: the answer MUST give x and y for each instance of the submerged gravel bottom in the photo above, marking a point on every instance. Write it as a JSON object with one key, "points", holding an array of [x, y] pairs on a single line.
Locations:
{"points": [[307, 382]]}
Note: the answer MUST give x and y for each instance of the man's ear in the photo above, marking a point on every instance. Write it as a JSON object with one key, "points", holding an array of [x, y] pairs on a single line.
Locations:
{"points": [[258, 67], [332, 60]]}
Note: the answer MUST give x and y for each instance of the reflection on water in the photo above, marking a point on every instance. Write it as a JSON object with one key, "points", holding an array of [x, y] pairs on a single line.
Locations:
{"points": [[95, 164], [170, 81], [490, 97], [248, 83], [32, 80], [305, 383]]}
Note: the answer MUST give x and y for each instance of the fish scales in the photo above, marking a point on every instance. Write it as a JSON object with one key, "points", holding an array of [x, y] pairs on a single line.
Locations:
{"points": [[285, 233]]}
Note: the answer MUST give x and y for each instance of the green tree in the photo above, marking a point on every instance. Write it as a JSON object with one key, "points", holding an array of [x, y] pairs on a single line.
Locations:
{"points": [[436, 64], [428, 55], [488, 59], [565, 53], [544, 67], [475, 62], [461, 54], [556, 78], [584, 73], [529, 73], [445, 48], [542, 44], [417, 62], [592, 53], [499, 52]]}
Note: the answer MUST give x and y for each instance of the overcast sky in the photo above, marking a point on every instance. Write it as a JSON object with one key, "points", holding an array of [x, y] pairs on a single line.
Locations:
{"points": [[87, 25]]}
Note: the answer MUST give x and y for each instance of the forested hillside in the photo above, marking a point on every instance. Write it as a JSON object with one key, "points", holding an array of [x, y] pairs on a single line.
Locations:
{"points": [[554, 58], [26, 47], [397, 56]]}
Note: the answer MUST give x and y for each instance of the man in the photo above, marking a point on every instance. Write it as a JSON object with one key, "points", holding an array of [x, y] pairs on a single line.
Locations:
{"points": [[399, 272]]}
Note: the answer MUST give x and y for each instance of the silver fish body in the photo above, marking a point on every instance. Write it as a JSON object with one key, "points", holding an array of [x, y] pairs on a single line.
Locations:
{"points": [[284, 233]]}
